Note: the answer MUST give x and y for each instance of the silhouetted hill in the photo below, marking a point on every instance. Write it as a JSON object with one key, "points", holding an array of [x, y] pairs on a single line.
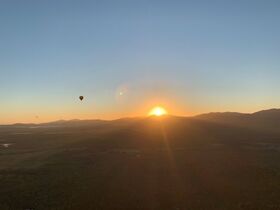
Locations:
{"points": [[221, 116], [267, 114], [264, 120], [264, 114]]}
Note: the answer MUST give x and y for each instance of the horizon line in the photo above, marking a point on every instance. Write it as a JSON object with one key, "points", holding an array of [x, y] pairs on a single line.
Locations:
{"points": [[98, 119]]}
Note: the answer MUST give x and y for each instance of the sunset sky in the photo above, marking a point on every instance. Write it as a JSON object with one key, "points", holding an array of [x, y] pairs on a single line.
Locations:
{"points": [[125, 57]]}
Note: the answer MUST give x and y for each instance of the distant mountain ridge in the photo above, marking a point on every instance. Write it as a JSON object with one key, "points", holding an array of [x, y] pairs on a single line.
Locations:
{"points": [[270, 113], [264, 120]]}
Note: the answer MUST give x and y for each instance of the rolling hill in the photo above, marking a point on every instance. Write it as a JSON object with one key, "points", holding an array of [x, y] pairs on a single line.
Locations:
{"points": [[210, 161]]}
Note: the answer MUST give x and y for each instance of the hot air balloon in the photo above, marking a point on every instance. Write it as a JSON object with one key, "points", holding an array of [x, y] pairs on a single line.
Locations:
{"points": [[81, 98]]}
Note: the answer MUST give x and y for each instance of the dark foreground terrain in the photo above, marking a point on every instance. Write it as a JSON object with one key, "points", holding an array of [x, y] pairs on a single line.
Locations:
{"points": [[213, 161]]}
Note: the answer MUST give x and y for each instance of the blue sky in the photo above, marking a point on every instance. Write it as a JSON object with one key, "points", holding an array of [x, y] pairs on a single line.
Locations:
{"points": [[191, 56]]}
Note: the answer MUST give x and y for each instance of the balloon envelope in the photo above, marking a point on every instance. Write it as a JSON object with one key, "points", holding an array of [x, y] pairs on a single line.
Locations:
{"points": [[81, 98]]}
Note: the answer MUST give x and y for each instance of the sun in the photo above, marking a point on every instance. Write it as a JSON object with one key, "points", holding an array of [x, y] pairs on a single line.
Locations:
{"points": [[158, 111]]}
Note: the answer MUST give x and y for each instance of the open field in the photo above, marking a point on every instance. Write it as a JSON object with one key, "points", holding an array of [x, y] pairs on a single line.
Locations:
{"points": [[149, 163]]}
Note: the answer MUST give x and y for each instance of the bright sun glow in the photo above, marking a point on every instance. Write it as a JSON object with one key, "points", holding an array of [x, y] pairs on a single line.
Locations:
{"points": [[158, 111]]}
